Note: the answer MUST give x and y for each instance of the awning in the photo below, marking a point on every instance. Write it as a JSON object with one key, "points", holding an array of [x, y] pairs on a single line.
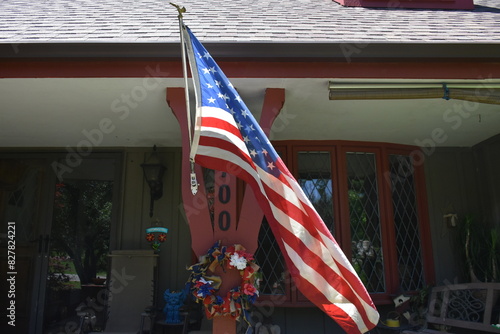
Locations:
{"points": [[475, 91]]}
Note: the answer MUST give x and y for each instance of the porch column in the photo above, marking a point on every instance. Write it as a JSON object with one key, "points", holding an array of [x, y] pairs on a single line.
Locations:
{"points": [[228, 225]]}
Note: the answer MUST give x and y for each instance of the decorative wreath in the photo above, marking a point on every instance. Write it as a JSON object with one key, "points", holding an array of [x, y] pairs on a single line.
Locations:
{"points": [[204, 287]]}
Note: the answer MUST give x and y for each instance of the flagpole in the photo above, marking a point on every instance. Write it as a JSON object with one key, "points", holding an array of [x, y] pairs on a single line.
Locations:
{"points": [[180, 10]]}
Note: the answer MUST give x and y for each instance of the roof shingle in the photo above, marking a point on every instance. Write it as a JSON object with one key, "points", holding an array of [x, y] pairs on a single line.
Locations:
{"points": [[297, 21]]}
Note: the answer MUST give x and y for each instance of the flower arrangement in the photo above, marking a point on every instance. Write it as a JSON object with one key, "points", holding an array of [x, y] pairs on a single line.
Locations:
{"points": [[204, 286]]}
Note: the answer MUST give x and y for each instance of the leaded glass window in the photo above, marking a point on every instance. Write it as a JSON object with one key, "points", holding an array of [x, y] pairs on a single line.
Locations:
{"points": [[406, 224], [378, 225], [315, 178], [364, 214], [271, 262]]}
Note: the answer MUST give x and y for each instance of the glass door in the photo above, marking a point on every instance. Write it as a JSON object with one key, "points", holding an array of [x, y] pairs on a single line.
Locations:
{"points": [[23, 209], [61, 243], [75, 291]]}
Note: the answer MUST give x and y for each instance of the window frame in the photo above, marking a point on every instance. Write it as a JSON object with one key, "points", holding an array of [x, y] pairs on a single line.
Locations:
{"points": [[338, 150]]}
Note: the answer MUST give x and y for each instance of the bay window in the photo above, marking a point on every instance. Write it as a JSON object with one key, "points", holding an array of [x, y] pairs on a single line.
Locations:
{"points": [[372, 198]]}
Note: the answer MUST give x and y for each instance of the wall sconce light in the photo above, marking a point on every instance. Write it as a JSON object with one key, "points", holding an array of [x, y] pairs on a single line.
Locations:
{"points": [[153, 173]]}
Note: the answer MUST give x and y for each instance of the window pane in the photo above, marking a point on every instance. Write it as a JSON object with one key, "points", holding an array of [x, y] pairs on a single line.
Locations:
{"points": [[271, 262], [406, 223], [315, 178], [364, 217]]}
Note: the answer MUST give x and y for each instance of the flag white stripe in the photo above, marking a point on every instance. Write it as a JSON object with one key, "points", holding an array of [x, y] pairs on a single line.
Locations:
{"points": [[372, 314], [219, 114], [216, 152], [318, 280]]}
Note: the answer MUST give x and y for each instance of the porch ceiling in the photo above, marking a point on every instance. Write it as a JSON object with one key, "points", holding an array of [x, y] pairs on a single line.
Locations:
{"points": [[59, 112]]}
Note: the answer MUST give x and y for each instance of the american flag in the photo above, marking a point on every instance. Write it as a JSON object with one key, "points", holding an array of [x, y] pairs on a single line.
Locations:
{"points": [[228, 138]]}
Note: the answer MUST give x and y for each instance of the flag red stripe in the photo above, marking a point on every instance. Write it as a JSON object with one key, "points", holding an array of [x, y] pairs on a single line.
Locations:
{"points": [[217, 123]]}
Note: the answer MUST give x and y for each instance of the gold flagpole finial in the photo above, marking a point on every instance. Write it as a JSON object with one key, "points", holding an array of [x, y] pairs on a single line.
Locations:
{"points": [[179, 9]]}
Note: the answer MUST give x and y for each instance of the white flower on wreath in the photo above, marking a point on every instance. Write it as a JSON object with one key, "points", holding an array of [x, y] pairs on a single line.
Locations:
{"points": [[204, 281], [238, 261]]}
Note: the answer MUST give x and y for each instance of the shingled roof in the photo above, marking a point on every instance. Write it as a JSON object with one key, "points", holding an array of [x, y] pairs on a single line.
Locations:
{"points": [[271, 26], [84, 21]]}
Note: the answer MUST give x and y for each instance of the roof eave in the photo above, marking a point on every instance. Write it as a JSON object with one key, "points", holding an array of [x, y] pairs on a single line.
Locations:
{"points": [[343, 50]]}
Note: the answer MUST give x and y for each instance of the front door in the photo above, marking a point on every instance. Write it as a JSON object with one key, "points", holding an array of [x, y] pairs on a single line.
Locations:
{"points": [[56, 235], [23, 211]]}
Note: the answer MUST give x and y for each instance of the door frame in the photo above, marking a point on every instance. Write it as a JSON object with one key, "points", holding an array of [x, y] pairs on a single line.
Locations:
{"points": [[45, 214]]}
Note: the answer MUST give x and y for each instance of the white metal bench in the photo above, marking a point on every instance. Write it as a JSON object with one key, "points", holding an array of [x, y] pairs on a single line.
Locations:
{"points": [[470, 306]]}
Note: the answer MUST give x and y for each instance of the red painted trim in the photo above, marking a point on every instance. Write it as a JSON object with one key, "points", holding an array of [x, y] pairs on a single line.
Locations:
{"points": [[112, 68], [389, 232], [274, 100]]}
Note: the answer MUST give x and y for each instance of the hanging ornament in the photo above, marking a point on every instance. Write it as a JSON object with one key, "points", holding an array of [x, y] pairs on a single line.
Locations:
{"points": [[156, 235]]}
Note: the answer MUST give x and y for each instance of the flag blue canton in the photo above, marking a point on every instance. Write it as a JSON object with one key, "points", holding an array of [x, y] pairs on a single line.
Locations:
{"points": [[217, 91]]}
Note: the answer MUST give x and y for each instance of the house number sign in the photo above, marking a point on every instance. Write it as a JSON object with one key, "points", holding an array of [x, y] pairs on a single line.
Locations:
{"points": [[224, 198]]}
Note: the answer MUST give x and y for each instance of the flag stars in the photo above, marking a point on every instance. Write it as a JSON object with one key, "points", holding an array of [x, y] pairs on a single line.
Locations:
{"points": [[212, 70], [244, 113], [211, 100], [270, 165], [206, 71], [206, 55], [209, 85], [253, 153], [264, 151], [218, 84]]}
